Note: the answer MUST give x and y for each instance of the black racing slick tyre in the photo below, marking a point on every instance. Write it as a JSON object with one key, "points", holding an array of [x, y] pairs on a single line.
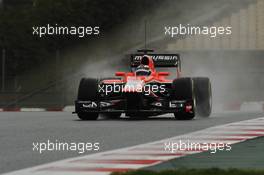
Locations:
{"points": [[203, 96], [182, 89], [88, 91]]}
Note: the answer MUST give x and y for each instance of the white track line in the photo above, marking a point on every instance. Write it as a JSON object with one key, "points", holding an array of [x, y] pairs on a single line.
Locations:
{"points": [[148, 154]]}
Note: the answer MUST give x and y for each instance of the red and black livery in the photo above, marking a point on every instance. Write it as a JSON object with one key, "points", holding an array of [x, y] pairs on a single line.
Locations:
{"points": [[145, 92]]}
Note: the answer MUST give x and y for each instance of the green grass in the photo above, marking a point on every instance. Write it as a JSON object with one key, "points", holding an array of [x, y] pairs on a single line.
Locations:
{"points": [[183, 171]]}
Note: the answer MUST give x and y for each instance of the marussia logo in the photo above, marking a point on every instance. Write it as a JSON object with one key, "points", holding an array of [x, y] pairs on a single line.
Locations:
{"points": [[159, 58]]}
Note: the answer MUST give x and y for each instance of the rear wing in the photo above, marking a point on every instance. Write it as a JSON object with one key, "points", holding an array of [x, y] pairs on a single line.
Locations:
{"points": [[160, 60]]}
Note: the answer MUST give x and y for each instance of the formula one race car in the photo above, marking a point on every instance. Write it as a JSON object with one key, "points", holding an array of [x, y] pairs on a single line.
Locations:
{"points": [[144, 92]]}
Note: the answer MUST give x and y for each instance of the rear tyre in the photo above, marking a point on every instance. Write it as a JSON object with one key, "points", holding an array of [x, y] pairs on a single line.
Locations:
{"points": [[88, 91], [182, 89], [203, 96]]}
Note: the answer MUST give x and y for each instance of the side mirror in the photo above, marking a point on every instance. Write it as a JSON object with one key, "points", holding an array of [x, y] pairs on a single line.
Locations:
{"points": [[120, 74], [163, 73]]}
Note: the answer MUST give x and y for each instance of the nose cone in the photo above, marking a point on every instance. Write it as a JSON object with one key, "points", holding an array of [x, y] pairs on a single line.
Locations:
{"points": [[134, 86]]}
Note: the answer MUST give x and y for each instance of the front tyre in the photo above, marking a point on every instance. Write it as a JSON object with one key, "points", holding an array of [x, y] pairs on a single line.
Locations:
{"points": [[88, 91]]}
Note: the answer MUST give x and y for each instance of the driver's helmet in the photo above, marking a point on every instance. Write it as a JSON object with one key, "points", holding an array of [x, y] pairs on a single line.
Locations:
{"points": [[145, 60], [143, 69]]}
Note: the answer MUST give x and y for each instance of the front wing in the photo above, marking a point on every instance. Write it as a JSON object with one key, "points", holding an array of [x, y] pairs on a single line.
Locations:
{"points": [[145, 106]]}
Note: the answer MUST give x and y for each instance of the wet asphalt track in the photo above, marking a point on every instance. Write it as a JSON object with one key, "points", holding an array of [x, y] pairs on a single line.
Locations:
{"points": [[18, 130]]}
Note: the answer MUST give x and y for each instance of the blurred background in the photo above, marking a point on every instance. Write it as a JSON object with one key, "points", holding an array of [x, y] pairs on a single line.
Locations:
{"points": [[45, 72]]}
